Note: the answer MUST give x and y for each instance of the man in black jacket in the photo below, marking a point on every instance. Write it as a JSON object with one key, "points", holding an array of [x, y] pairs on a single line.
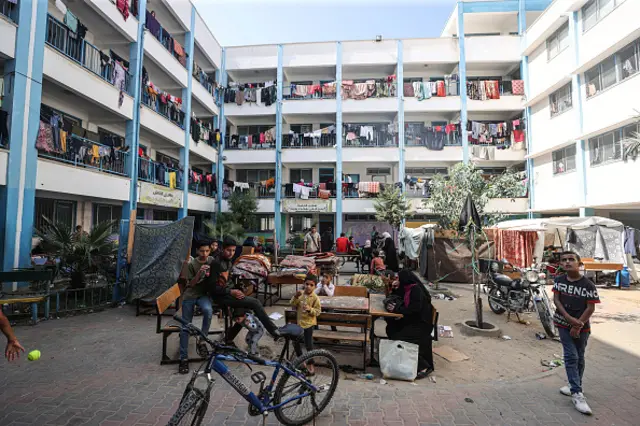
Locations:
{"points": [[223, 295]]}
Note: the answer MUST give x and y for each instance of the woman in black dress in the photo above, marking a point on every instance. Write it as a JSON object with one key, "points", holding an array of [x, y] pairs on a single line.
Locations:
{"points": [[391, 255]]}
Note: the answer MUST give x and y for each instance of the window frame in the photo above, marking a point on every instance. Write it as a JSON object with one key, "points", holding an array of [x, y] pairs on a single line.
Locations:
{"points": [[118, 216], [556, 37], [300, 175], [595, 75], [558, 98], [598, 14], [265, 172], [564, 155]]}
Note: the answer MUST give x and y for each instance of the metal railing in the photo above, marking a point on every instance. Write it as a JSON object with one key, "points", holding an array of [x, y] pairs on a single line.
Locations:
{"points": [[201, 189], [369, 90], [81, 152], [158, 173], [377, 138], [310, 91], [167, 41], [163, 109], [8, 9], [80, 51], [301, 141], [425, 139], [242, 143]]}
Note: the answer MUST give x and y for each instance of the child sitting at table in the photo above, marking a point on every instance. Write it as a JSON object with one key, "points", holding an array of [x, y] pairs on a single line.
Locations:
{"points": [[308, 307], [254, 327], [377, 264], [326, 288]]}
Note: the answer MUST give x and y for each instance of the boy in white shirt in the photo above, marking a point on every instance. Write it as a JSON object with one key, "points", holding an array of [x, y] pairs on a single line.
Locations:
{"points": [[326, 288]]}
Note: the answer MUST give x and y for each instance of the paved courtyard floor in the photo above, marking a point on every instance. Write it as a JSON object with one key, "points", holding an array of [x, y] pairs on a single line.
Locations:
{"points": [[103, 369]]}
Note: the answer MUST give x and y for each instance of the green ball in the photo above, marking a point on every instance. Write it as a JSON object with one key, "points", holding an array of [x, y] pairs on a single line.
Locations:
{"points": [[34, 355]]}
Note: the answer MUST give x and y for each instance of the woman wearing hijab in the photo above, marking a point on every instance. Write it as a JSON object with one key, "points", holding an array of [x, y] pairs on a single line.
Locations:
{"points": [[391, 255], [367, 254], [416, 324]]}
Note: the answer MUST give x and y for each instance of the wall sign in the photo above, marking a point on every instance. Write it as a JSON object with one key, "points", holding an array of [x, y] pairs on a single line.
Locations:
{"points": [[306, 206], [160, 195]]}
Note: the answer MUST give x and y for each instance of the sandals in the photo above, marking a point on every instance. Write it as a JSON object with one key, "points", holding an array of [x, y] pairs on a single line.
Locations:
{"points": [[424, 374], [183, 368]]}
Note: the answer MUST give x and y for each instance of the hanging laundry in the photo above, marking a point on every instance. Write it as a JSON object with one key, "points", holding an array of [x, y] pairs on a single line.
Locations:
{"points": [[123, 7], [71, 21]]}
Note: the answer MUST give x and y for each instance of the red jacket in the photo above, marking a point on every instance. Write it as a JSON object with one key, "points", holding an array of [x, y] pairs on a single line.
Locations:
{"points": [[342, 245]]}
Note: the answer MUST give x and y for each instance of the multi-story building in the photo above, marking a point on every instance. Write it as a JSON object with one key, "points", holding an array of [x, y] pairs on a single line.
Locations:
{"points": [[113, 109]]}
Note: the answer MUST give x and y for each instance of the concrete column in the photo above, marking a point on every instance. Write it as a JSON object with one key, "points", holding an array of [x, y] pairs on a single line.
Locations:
{"points": [[186, 104], [280, 237], [23, 84], [462, 73], [400, 94], [338, 222], [222, 122]]}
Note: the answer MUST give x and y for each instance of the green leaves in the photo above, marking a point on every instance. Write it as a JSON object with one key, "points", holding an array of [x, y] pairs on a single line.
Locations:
{"points": [[392, 206], [243, 207]]}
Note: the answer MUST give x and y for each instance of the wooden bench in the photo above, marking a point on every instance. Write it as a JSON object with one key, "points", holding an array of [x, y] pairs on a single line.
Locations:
{"points": [[357, 321], [167, 300], [347, 290], [45, 276]]}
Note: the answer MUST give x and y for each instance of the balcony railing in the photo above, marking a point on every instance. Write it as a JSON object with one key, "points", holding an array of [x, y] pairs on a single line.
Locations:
{"points": [[164, 38], [81, 152], [204, 79], [314, 141], [8, 9], [369, 89], [308, 91], [243, 142], [429, 139], [363, 137], [81, 52], [201, 189], [167, 110], [158, 173]]}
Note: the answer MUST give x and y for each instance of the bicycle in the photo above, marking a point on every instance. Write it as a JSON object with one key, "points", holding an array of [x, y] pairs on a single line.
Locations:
{"points": [[284, 397]]}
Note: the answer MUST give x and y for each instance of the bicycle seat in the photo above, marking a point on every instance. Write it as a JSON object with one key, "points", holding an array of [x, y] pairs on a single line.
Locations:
{"points": [[291, 331]]}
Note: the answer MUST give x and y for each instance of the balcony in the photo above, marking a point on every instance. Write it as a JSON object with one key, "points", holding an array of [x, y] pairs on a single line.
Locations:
{"points": [[203, 189], [245, 100], [159, 173], [431, 138], [495, 95], [310, 91], [9, 10], [173, 47], [167, 109], [249, 143], [85, 153], [309, 140], [368, 136], [85, 54]]}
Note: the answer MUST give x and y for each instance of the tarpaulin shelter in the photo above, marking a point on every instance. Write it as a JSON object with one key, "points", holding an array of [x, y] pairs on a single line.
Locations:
{"points": [[592, 237]]}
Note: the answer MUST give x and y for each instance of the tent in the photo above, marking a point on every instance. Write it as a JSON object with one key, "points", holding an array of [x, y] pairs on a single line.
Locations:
{"points": [[594, 237]]}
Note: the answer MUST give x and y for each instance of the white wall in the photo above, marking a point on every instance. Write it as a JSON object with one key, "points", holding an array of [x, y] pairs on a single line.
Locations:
{"points": [[549, 132], [161, 126], [368, 155], [613, 183], [128, 28], [7, 38], [554, 192], [432, 50], [201, 203], [549, 21], [481, 49], [4, 160], [165, 60], [369, 52], [544, 74], [310, 106], [309, 54], [250, 156], [319, 155], [251, 57], [361, 169], [435, 104], [207, 42]]}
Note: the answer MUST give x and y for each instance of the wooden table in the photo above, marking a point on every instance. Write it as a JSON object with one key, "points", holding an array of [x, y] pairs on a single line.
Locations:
{"points": [[345, 303], [377, 310], [590, 265], [280, 280]]}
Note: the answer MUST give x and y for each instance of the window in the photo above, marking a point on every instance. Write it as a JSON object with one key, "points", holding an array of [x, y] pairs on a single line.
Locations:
{"points": [[360, 218], [302, 83], [107, 213], [299, 222], [326, 175], [558, 41], [596, 10], [606, 148], [297, 175], [413, 80], [378, 171], [301, 128], [165, 215], [560, 100], [355, 177], [266, 223], [425, 171], [169, 161], [616, 68], [252, 130], [57, 211], [254, 175], [564, 160]]}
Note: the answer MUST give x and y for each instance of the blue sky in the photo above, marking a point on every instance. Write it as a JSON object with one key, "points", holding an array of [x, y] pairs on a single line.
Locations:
{"points": [[238, 22]]}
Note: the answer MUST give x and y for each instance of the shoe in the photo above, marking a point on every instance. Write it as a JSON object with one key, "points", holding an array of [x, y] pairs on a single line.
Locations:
{"points": [[276, 335], [565, 390], [183, 368], [580, 402]]}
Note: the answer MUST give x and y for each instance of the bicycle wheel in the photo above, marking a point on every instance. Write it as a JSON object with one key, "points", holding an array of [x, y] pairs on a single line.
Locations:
{"points": [[303, 410], [193, 406]]}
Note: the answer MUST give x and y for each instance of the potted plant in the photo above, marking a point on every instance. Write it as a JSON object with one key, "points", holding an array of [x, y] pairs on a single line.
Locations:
{"points": [[78, 252]]}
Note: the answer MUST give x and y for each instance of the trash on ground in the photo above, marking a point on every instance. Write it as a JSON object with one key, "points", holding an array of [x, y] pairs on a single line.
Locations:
{"points": [[541, 336], [552, 363], [383, 382], [275, 316], [367, 376], [445, 331], [443, 297], [469, 400], [506, 338], [450, 354], [432, 379]]}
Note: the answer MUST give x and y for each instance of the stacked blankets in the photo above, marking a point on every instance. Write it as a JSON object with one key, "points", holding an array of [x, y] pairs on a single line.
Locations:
{"points": [[297, 266], [325, 262], [252, 267]]}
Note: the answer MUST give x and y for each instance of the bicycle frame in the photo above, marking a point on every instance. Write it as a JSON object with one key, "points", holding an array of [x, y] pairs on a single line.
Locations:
{"points": [[216, 363]]}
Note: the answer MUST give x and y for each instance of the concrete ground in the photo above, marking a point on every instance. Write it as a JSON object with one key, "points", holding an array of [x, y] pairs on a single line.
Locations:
{"points": [[104, 369]]}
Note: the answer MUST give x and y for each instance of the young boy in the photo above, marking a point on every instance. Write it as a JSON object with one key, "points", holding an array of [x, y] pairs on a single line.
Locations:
{"points": [[308, 307], [377, 263], [194, 294], [326, 288], [255, 329], [575, 297], [342, 244]]}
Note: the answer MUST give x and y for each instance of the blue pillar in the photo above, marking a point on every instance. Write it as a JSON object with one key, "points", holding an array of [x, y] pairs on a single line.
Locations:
{"points": [[338, 224], [576, 93], [23, 82], [132, 136], [399, 91], [186, 103], [280, 237], [222, 122], [524, 73], [462, 72]]}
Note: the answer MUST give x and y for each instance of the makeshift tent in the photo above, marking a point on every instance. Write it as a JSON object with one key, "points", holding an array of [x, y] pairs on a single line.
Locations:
{"points": [[157, 259], [410, 240], [449, 259], [594, 237]]}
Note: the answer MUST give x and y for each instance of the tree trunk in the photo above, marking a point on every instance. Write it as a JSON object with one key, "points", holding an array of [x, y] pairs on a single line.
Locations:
{"points": [[78, 279]]}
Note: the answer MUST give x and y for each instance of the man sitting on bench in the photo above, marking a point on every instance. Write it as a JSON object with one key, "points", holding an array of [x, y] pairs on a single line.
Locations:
{"points": [[234, 298]]}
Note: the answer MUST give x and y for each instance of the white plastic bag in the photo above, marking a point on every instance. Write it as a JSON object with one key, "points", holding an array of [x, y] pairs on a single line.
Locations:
{"points": [[398, 360]]}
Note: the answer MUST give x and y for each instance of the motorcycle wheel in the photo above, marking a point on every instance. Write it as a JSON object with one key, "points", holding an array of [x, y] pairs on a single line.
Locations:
{"points": [[497, 309], [545, 318]]}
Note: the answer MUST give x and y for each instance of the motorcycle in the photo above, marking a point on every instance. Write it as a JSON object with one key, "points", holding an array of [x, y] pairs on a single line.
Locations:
{"points": [[525, 294]]}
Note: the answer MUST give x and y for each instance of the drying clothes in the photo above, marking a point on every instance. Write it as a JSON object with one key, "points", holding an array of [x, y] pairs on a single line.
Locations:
{"points": [[63, 141], [153, 25], [517, 87], [407, 90], [119, 80], [172, 180], [44, 141], [239, 97], [61, 7], [518, 136], [71, 21], [123, 7], [304, 192]]}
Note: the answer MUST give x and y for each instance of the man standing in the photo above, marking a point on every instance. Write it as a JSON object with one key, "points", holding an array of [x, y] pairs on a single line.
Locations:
{"points": [[327, 240], [575, 297], [312, 241], [222, 294]]}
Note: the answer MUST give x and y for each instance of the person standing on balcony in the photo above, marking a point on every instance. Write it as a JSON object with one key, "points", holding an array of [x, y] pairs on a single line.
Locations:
{"points": [[312, 243]]}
